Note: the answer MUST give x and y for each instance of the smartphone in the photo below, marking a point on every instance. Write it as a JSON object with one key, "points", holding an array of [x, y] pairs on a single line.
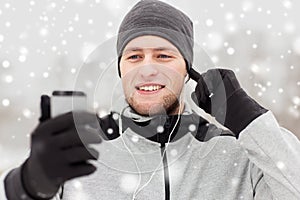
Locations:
{"points": [[66, 101]]}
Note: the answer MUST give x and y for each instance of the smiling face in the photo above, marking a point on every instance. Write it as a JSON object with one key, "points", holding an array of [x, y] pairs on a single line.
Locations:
{"points": [[152, 72]]}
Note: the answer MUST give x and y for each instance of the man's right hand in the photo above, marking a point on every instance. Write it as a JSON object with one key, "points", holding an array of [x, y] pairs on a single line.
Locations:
{"points": [[59, 152]]}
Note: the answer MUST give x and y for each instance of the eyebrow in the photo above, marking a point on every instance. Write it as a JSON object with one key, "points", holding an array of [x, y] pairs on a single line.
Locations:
{"points": [[155, 49]]}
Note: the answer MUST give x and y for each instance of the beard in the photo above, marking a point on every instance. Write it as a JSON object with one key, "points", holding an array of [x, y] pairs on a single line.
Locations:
{"points": [[169, 106]]}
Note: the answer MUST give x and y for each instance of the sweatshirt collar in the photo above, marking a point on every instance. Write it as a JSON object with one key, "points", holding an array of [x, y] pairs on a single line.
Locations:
{"points": [[163, 128]]}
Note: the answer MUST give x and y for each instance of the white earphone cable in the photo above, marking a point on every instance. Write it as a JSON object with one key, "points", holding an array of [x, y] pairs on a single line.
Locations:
{"points": [[163, 154], [137, 189]]}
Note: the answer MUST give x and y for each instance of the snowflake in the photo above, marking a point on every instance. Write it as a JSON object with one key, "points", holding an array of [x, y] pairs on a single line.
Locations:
{"points": [[174, 152], [109, 24], [128, 183], [63, 42], [160, 129], [259, 9], [229, 16], [32, 3], [8, 78], [287, 4], [27, 113], [5, 64], [269, 26], [296, 100], [43, 32], [22, 58], [247, 6], [209, 22], [192, 127], [7, 24], [110, 131], [54, 48], [77, 184], [230, 51], [73, 70], [45, 74], [32, 74], [5, 102], [248, 32], [134, 138], [280, 165], [71, 29]]}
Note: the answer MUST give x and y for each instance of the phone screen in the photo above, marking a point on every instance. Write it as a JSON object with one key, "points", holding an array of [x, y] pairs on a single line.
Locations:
{"points": [[66, 101]]}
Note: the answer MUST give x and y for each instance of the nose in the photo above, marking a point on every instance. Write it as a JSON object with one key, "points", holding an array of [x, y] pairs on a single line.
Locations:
{"points": [[148, 68]]}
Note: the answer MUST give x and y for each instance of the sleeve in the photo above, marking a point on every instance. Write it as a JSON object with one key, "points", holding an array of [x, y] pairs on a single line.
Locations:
{"points": [[11, 187], [2, 187], [275, 154]]}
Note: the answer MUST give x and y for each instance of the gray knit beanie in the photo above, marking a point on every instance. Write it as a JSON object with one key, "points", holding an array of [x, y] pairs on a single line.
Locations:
{"points": [[153, 17]]}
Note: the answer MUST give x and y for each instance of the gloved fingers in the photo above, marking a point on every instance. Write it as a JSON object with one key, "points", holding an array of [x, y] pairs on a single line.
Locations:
{"points": [[230, 82], [81, 169], [76, 136], [66, 121], [45, 108], [80, 154], [202, 89], [194, 75]]}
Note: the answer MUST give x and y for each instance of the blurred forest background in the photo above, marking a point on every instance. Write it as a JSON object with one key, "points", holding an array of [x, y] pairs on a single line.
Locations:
{"points": [[43, 44]]}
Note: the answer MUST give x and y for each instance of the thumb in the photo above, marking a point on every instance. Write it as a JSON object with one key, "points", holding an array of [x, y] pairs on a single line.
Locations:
{"points": [[45, 108], [194, 75]]}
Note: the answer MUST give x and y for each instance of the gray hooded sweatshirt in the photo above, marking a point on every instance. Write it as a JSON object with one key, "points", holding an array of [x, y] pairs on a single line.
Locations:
{"points": [[264, 163]]}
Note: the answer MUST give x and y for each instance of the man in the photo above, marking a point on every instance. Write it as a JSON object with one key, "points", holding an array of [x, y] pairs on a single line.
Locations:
{"points": [[157, 147]]}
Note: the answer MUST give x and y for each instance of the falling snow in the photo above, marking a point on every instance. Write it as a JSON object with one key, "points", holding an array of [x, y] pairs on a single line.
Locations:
{"points": [[61, 36], [230, 51], [192, 127], [135, 139], [160, 129], [280, 165], [5, 102], [5, 64], [174, 152], [8, 78], [128, 183], [209, 22], [110, 131]]}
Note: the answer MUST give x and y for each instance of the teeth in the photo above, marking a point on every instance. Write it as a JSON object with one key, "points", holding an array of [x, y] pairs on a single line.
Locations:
{"points": [[150, 88]]}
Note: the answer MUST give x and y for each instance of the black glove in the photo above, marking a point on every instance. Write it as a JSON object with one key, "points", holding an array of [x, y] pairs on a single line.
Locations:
{"points": [[218, 93], [59, 152]]}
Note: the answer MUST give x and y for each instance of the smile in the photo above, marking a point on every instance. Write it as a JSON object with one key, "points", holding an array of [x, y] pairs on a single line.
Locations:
{"points": [[149, 88]]}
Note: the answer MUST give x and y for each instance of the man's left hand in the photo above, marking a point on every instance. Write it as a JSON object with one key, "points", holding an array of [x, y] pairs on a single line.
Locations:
{"points": [[219, 93]]}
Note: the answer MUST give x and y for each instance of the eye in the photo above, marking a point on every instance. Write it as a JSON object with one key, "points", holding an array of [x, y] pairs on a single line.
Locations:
{"points": [[163, 56], [134, 57]]}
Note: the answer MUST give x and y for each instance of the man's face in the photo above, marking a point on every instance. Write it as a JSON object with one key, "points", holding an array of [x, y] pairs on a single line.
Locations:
{"points": [[153, 72]]}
